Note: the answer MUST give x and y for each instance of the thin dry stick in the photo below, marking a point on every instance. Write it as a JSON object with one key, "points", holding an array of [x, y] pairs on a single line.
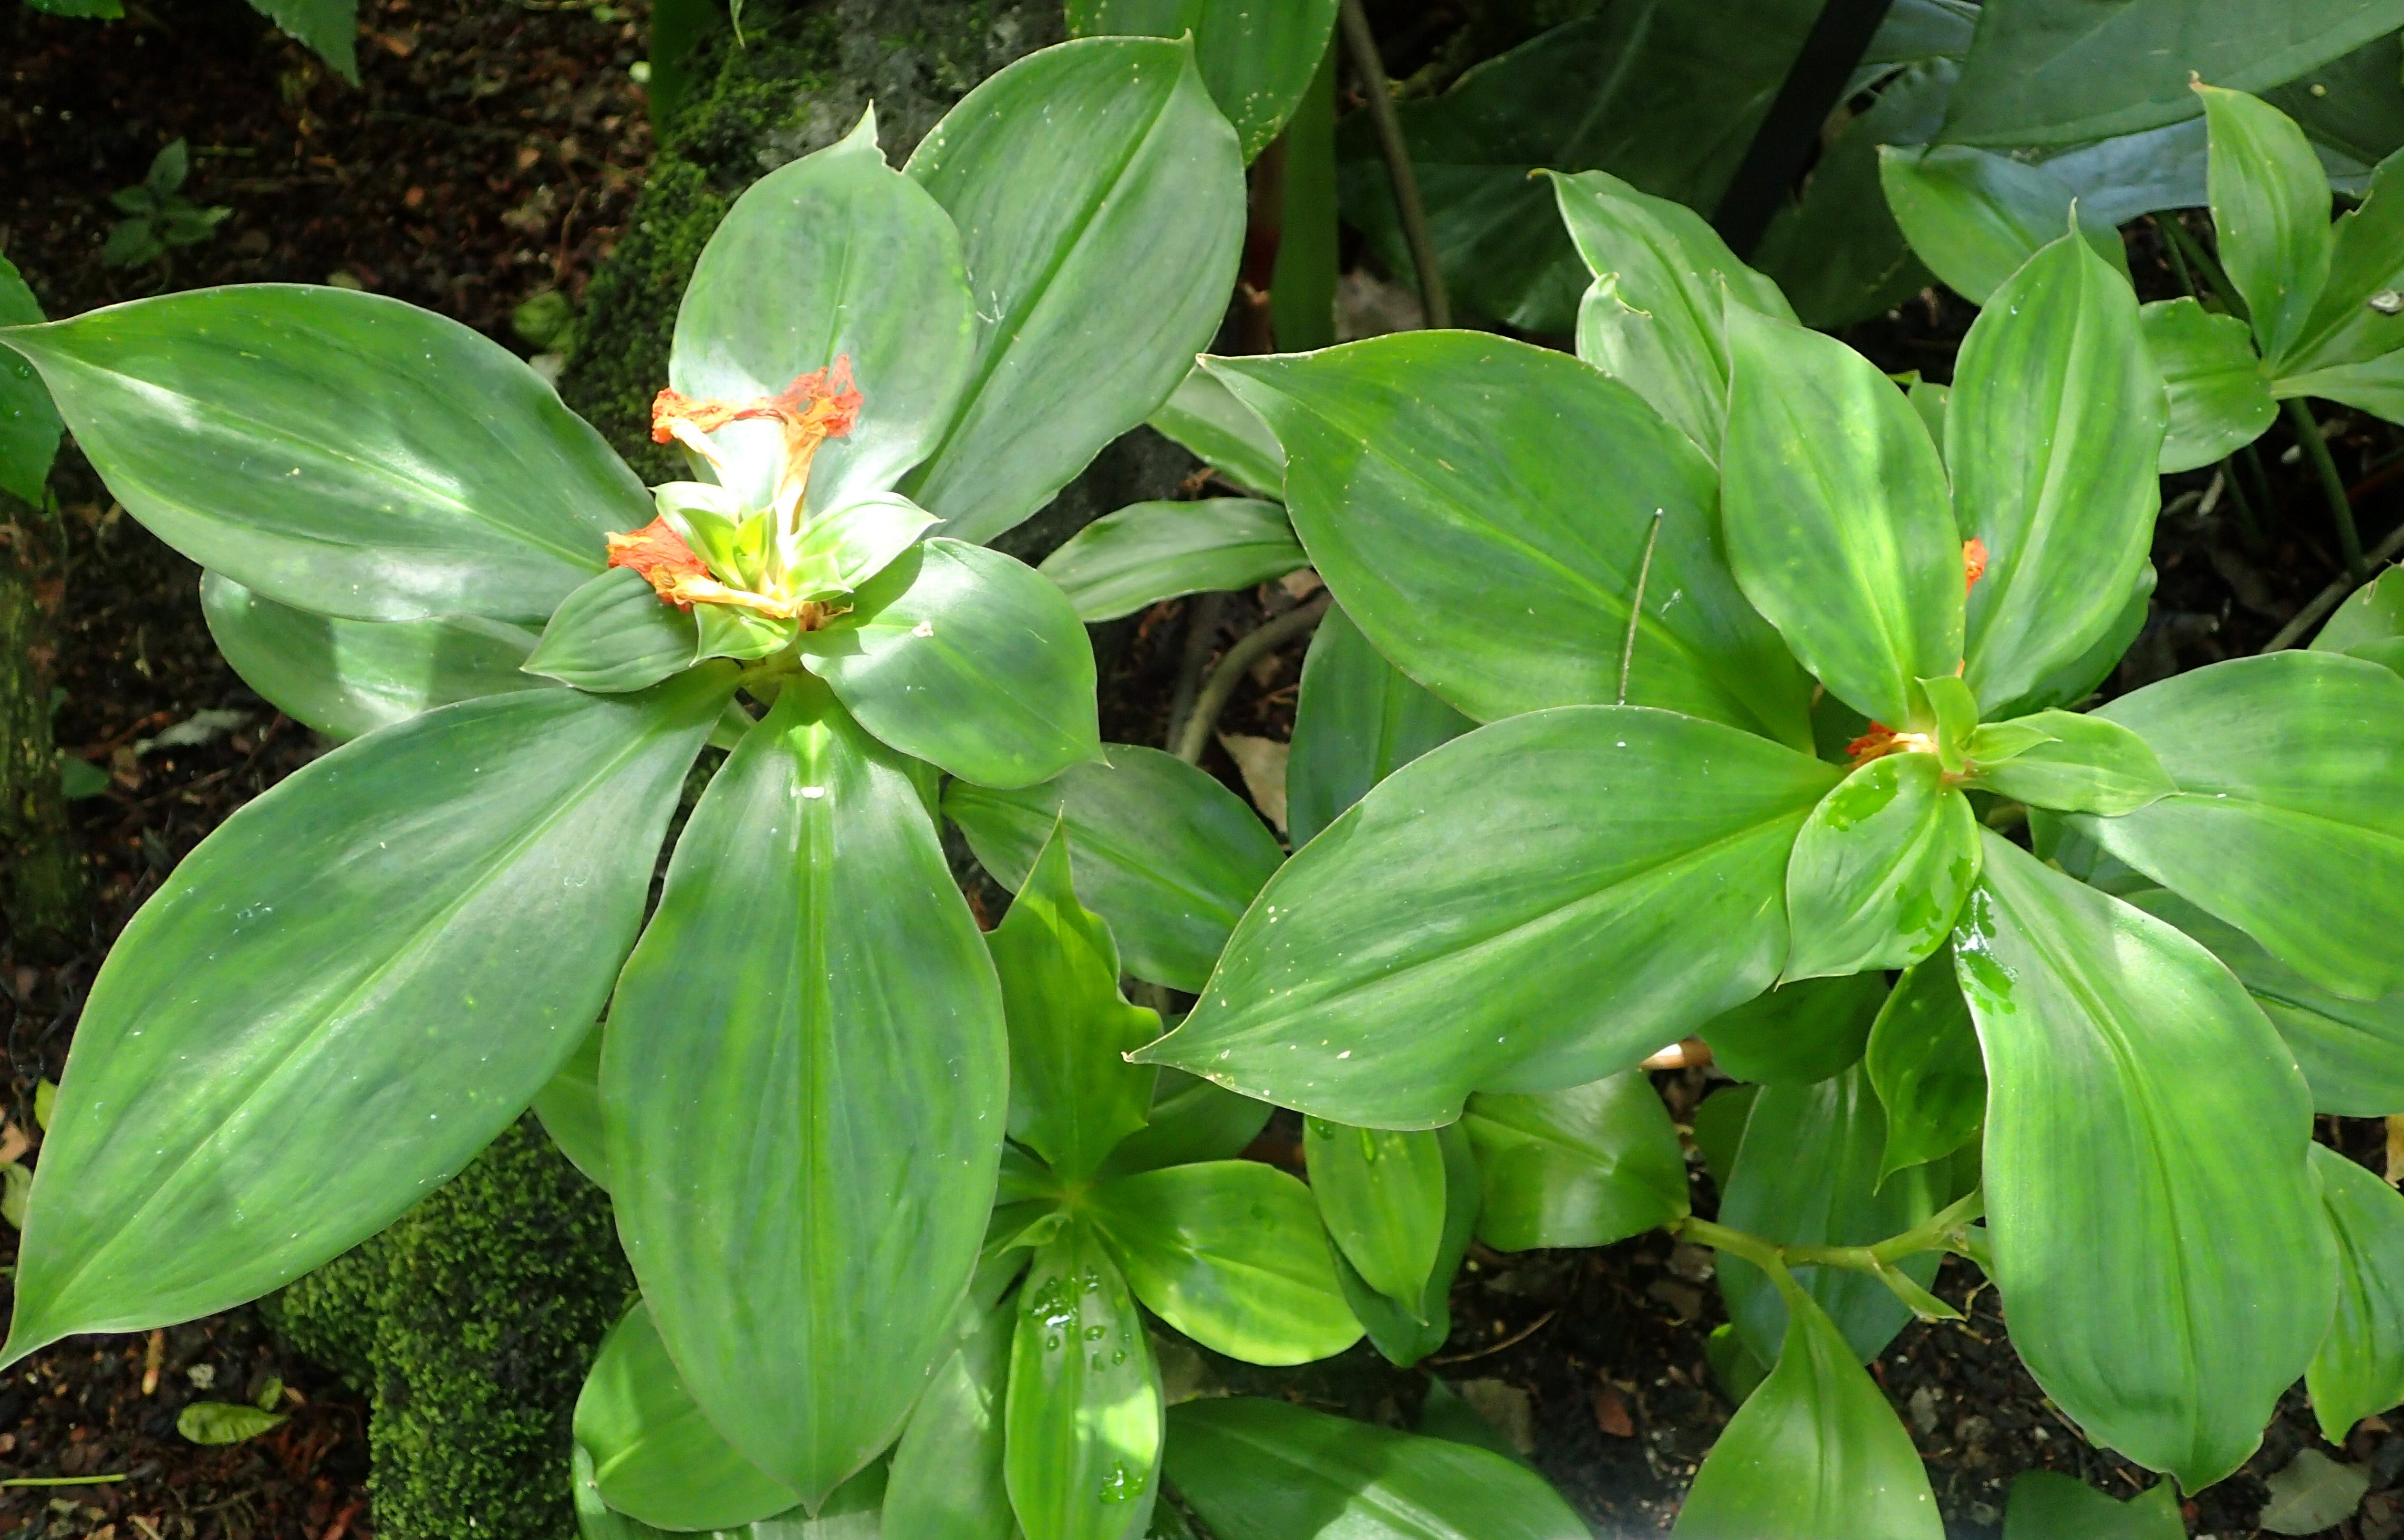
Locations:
{"points": [[1636, 609], [1248, 649], [1362, 44], [2327, 599]]}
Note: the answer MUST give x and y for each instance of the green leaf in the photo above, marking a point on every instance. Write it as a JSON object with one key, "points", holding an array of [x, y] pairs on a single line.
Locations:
{"points": [[1086, 318], [224, 1423], [2085, 764], [1604, 879], [2376, 387], [1719, 1129], [341, 995], [1232, 1253], [832, 256], [1302, 280], [1358, 720], [1433, 473], [1205, 417], [1797, 1034], [2360, 1367], [29, 424], [1072, 1098], [329, 27], [1838, 522], [1085, 1407], [813, 981], [2344, 326], [569, 1105], [339, 451], [1190, 1119], [2052, 438], [948, 1480], [2310, 1493], [965, 657], [2271, 820], [1582, 1167], [1808, 1174], [2074, 681], [1407, 1330], [2270, 209], [79, 778], [2372, 614], [1652, 320], [1814, 1451], [347, 678], [1149, 551], [2145, 1171], [2219, 395], [655, 1455], [1879, 870], [845, 546], [1975, 216], [1161, 850], [2047, 1505], [1257, 59], [1383, 1196], [1924, 1062], [614, 634], [1257, 1469]]}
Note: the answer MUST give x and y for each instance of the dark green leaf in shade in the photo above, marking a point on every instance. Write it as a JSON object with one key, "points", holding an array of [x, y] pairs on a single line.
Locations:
{"points": [[1601, 881], [29, 424], [1161, 850], [2049, 1505], [1582, 1167], [1975, 216], [2366, 260], [1815, 1453], [2372, 614], [1232, 1253], [2082, 764], [1838, 521], [1358, 720], [569, 1105], [614, 634], [2287, 766], [349, 677], [1191, 1121], [1257, 59], [1481, 508], [1084, 1419], [1797, 1034], [2145, 1171], [1088, 313], [2074, 681], [1446, 1414], [1204, 416], [948, 1481], [1719, 1129], [2270, 210], [655, 1455], [2219, 394], [1879, 870], [1383, 1196], [329, 28], [1072, 1097], [2360, 1367], [1407, 1331], [224, 1423], [1733, 1365], [1924, 1062], [1257, 1469], [813, 981], [340, 452], [1149, 551], [966, 658], [1302, 282], [341, 995]]}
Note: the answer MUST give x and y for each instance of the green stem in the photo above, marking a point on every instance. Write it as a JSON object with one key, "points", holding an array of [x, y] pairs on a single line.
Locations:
{"points": [[1940, 1231], [1378, 96], [2192, 251], [2235, 485], [63, 1480], [2316, 448]]}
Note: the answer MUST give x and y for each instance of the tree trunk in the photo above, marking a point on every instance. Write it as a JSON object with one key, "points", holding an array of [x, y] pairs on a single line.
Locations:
{"points": [[42, 891]]}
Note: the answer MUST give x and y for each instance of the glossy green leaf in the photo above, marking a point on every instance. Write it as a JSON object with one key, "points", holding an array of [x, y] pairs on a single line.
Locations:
{"points": [[340, 452], [2360, 1367], [1924, 1062], [1975, 216], [614, 634], [1149, 551], [1097, 281], [832, 256], [1358, 720], [813, 981], [2074, 681], [655, 1455], [1797, 1034], [1407, 1330], [1257, 59], [29, 424], [1190, 1119], [1303, 278], [947, 1482], [1232, 1253], [838, 551], [1815, 1451], [2049, 1505], [569, 1105], [1602, 878], [349, 677], [2376, 387], [964, 658], [1481, 508], [2052, 438], [1838, 522], [2270, 210], [2145, 1171], [1808, 1174], [2287, 766], [2372, 614], [1652, 320], [1383, 1196], [1879, 870], [1257, 1469], [2366, 260], [2219, 396], [1719, 1130], [1084, 1411], [1161, 850], [1072, 1097], [341, 995], [1203, 415], [1582, 1167], [2084, 764]]}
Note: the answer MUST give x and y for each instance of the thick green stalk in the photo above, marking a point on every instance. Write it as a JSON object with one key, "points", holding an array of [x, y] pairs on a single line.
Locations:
{"points": [[1944, 1230], [2316, 448]]}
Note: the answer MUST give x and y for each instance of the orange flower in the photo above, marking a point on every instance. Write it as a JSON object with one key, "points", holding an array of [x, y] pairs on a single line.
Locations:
{"points": [[1876, 743], [659, 553], [1973, 562], [814, 407]]}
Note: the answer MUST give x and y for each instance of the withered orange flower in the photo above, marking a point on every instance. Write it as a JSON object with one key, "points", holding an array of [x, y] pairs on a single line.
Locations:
{"points": [[660, 554], [1973, 562], [814, 407]]}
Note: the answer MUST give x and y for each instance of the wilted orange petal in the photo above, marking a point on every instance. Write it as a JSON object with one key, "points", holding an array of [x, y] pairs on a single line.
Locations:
{"points": [[659, 553], [1973, 562]]}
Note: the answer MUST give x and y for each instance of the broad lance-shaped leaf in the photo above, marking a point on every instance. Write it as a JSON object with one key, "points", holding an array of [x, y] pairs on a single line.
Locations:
{"points": [[1582, 1167], [1161, 850], [812, 982], [1481, 508], [1098, 282], [1191, 1121], [1815, 1453], [1838, 524], [655, 1455], [2052, 438], [2145, 1171], [345, 678], [340, 452], [613, 634], [569, 1108], [2049, 1505], [1072, 1097], [2374, 614], [1204, 416], [1382, 1195], [1924, 1062], [1257, 59], [1357, 720], [2366, 259], [1879, 870], [2360, 1367], [1149, 551], [1535, 904], [1799, 1033], [948, 1480], [2219, 395], [1257, 1469], [2068, 762], [1407, 1330], [964, 658], [1085, 1407], [29, 424], [1975, 216], [2270, 209], [341, 995], [2287, 766], [835, 255]]}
